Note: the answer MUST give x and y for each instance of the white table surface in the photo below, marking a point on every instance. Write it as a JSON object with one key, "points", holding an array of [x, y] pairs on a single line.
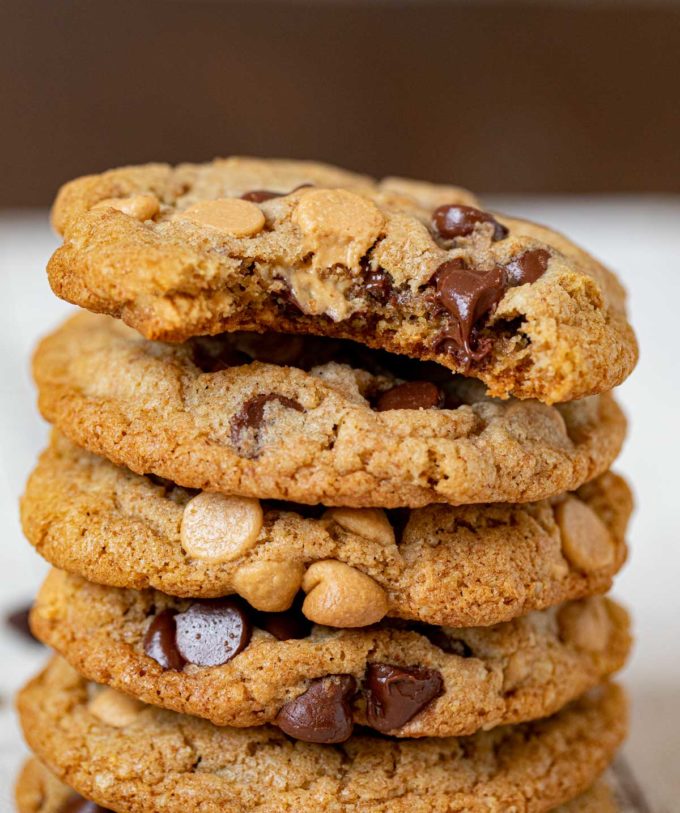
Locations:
{"points": [[640, 237]]}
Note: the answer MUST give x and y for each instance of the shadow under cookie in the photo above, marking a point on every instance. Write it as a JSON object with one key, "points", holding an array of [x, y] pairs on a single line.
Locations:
{"points": [[39, 791]]}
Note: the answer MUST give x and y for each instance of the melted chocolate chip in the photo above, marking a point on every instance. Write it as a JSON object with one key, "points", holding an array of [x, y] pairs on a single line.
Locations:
{"points": [[78, 804], [251, 415], [378, 285], [395, 694], [467, 295], [18, 620], [411, 395], [528, 267], [211, 633], [260, 195], [454, 220], [323, 713], [159, 641]]}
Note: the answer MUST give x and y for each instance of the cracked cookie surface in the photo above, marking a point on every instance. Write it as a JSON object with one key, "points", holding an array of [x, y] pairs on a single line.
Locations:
{"points": [[39, 791], [334, 433], [455, 566], [161, 761], [467, 679], [409, 267]]}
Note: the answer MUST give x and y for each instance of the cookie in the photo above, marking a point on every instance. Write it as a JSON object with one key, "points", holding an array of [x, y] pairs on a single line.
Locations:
{"points": [[352, 434], [244, 244], [455, 566], [39, 791], [222, 660], [161, 761]]}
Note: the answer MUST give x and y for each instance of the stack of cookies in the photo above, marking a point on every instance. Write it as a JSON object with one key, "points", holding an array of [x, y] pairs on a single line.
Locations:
{"points": [[330, 514]]}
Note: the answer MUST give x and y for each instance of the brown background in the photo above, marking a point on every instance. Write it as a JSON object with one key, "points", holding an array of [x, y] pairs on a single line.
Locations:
{"points": [[511, 97]]}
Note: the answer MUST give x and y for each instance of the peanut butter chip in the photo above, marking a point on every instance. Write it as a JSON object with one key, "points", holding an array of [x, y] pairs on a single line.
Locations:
{"points": [[341, 596], [586, 542], [586, 625], [219, 528], [239, 218], [141, 207], [115, 708], [269, 586], [338, 226], [369, 523]]}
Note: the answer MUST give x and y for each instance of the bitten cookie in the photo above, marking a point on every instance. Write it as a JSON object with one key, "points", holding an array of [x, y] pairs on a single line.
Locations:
{"points": [[39, 791], [222, 660], [455, 566], [353, 434], [154, 760], [299, 247]]}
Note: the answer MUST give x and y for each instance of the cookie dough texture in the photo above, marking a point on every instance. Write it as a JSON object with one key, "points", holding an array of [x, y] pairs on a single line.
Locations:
{"points": [[145, 243], [39, 791], [456, 566], [268, 431], [173, 763], [508, 673]]}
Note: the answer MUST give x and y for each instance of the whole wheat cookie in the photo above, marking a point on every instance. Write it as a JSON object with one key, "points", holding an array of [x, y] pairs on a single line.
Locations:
{"points": [[222, 660], [345, 426], [244, 244], [445, 565], [147, 760], [39, 791]]}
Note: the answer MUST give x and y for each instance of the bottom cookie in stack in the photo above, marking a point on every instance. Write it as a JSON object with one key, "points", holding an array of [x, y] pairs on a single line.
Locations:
{"points": [[39, 791], [148, 760]]}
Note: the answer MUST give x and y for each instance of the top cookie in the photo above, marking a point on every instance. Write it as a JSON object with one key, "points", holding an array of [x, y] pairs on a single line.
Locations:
{"points": [[39, 791], [246, 244]]}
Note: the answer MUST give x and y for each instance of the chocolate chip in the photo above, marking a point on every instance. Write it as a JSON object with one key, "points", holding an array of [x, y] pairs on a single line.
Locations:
{"points": [[323, 713], [395, 694], [211, 633], [78, 804], [18, 621], [260, 195], [454, 220], [528, 267], [467, 295], [251, 416], [159, 641], [378, 285], [411, 395]]}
